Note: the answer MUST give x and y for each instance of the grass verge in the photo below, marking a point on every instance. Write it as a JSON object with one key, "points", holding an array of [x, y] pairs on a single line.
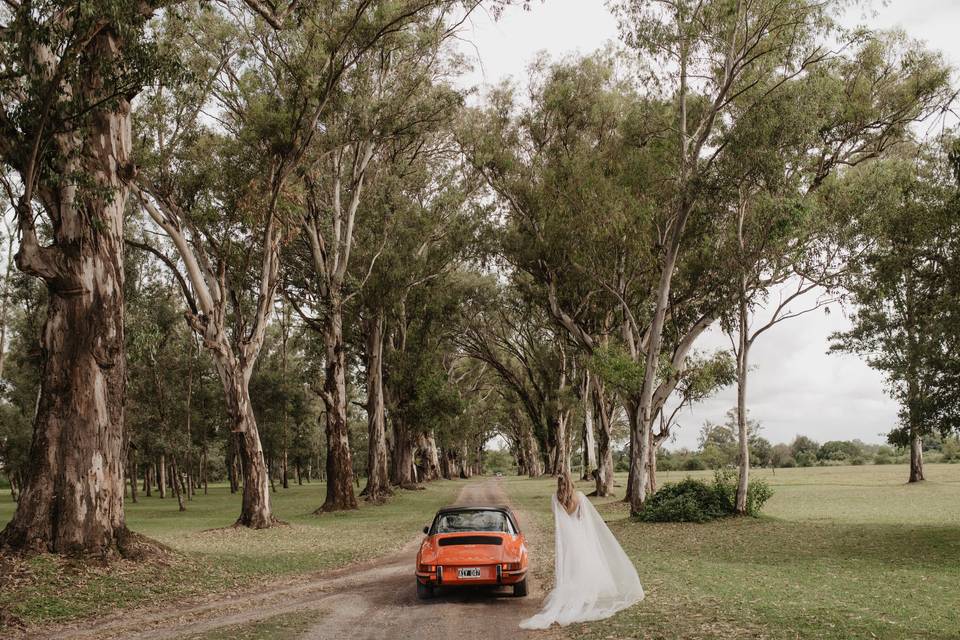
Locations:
{"points": [[208, 554], [842, 552]]}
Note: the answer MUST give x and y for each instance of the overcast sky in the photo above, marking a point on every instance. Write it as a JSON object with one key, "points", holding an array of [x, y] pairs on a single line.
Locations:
{"points": [[795, 387]]}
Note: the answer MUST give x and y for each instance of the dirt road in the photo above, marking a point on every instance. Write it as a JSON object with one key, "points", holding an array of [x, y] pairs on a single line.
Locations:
{"points": [[371, 601]]}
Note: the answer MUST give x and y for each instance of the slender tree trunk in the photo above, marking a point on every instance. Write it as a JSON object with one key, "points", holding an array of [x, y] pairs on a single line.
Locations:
{"points": [[743, 437], [378, 479], [640, 427], [605, 469], [132, 471], [589, 441], [148, 479], [284, 324], [913, 385], [174, 477], [633, 417], [162, 474], [340, 494], [534, 462], [203, 466], [652, 465]]}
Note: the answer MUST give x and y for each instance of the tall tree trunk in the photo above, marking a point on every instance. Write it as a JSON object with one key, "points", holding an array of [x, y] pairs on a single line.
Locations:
{"points": [[916, 456], [534, 461], [148, 479], [633, 417], [640, 426], [255, 510], [589, 457], [203, 465], [132, 471], [651, 464], [913, 384], [162, 474], [604, 434], [743, 438], [431, 459], [340, 495], [284, 325], [401, 471], [378, 479], [72, 501], [175, 481]]}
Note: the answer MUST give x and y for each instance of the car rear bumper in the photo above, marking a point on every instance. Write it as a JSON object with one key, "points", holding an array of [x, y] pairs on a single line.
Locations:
{"points": [[488, 577]]}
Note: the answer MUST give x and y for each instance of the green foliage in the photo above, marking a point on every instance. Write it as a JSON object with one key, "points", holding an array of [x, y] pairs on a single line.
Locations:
{"points": [[693, 500], [617, 369], [904, 278]]}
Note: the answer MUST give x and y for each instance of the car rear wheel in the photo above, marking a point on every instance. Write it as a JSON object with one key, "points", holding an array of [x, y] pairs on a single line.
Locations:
{"points": [[520, 589], [425, 591]]}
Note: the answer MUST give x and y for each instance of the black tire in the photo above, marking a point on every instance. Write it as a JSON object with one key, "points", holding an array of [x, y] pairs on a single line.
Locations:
{"points": [[425, 591], [520, 589]]}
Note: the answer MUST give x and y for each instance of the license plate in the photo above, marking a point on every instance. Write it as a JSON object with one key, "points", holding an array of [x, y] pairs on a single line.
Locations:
{"points": [[468, 573]]}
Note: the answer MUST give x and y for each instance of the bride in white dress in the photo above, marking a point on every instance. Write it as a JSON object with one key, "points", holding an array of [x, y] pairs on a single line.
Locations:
{"points": [[594, 577]]}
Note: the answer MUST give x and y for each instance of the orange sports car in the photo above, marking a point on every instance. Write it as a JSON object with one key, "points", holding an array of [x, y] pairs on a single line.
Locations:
{"points": [[472, 546]]}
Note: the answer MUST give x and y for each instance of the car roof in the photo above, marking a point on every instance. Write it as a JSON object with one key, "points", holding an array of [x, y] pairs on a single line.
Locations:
{"points": [[472, 507]]}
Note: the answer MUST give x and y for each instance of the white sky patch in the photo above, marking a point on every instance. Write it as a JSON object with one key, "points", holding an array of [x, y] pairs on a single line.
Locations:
{"points": [[794, 387]]}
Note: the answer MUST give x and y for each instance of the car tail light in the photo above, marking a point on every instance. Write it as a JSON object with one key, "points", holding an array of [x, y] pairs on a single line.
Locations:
{"points": [[425, 568], [511, 566]]}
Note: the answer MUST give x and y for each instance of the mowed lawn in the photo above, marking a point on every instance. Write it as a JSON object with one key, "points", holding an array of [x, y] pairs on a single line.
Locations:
{"points": [[209, 555], [841, 552]]}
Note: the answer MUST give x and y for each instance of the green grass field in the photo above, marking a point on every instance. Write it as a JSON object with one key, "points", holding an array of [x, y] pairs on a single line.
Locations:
{"points": [[211, 555], [841, 552]]}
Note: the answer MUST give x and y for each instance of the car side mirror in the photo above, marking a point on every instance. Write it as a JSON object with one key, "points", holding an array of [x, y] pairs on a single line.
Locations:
{"points": [[426, 529]]}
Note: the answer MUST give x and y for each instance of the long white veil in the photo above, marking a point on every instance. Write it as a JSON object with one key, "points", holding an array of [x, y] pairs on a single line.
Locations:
{"points": [[594, 577]]}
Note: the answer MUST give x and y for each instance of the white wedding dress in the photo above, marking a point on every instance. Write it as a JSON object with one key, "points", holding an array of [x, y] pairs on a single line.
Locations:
{"points": [[594, 577]]}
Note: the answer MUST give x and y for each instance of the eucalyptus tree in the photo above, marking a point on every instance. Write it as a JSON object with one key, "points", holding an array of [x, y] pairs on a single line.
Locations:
{"points": [[785, 246], [904, 285], [581, 174], [717, 61], [426, 232], [378, 126], [69, 73], [217, 192]]}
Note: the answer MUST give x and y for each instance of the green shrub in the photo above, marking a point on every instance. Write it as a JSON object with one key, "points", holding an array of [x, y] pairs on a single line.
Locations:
{"points": [[882, 459], [789, 463], [858, 461], [694, 464], [951, 450], [697, 501], [806, 459]]}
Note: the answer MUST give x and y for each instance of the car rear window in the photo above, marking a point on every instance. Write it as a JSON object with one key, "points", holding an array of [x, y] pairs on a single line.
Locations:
{"points": [[458, 521]]}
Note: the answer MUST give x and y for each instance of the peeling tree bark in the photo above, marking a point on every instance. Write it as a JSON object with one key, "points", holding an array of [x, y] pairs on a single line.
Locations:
{"points": [[340, 493], [378, 479], [72, 501]]}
